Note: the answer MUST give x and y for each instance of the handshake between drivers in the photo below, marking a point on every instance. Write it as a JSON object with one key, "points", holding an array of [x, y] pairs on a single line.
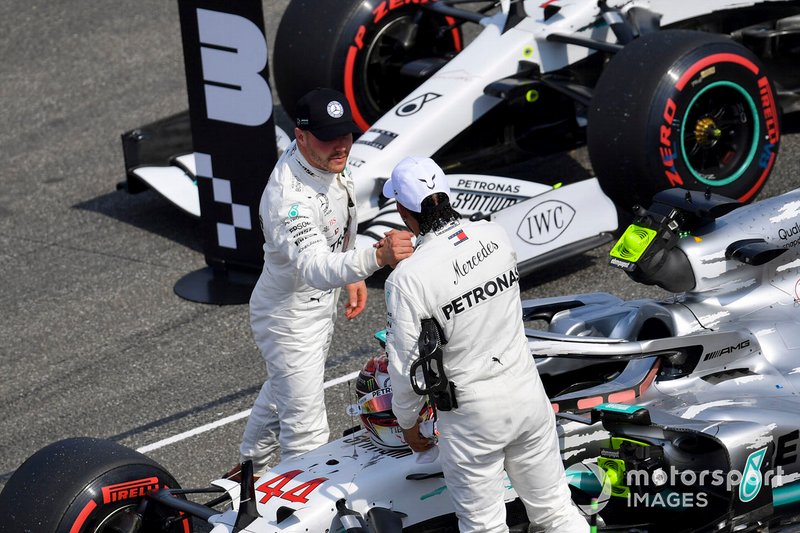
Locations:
{"points": [[395, 246]]}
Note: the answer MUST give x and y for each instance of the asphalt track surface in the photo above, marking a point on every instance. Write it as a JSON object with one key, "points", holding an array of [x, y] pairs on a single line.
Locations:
{"points": [[94, 342]]}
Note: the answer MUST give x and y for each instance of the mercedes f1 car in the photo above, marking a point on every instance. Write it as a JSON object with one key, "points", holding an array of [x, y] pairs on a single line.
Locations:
{"points": [[688, 419], [665, 94]]}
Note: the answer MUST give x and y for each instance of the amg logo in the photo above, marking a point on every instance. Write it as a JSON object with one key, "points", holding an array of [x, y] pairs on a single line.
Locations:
{"points": [[129, 489], [729, 349]]}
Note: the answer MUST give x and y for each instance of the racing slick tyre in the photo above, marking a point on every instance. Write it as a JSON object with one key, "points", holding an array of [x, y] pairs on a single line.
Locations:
{"points": [[680, 108], [358, 50], [85, 485]]}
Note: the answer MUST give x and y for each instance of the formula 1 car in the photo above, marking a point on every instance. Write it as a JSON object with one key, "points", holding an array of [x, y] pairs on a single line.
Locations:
{"points": [[696, 430], [674, 94]]}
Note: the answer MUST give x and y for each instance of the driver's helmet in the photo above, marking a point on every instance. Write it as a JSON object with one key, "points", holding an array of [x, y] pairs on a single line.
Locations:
{"points": [[374, 389]]}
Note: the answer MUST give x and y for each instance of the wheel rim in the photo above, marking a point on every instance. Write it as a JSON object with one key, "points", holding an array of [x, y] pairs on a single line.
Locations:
{"points": [[116, 521], [719, 134], [396, 44], [119, 520]]}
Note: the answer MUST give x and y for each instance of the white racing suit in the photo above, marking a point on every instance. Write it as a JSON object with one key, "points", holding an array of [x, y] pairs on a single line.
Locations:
{"points": [[465, 276], [309, 223]]}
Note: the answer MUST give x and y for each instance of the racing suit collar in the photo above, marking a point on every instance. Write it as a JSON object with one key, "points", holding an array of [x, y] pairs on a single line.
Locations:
{"points": [[449, 227], [322, 176]]}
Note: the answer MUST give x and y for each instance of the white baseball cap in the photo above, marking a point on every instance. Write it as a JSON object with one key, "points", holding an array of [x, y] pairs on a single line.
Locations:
{"points": [[413, 180]]}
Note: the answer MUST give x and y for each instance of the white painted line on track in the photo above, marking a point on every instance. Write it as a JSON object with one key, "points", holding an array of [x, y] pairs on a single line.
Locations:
{"points": [[227, 420]]}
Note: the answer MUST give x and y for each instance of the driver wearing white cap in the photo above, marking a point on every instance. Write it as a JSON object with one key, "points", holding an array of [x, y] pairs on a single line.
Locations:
{"points": [[464, 275]]}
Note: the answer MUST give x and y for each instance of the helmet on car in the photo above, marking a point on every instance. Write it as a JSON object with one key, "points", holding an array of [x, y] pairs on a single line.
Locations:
{"points": [[374, 389]]}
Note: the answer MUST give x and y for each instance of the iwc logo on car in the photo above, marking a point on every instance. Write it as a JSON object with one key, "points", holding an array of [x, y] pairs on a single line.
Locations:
{"points": [[545, 222], [335, 109]]}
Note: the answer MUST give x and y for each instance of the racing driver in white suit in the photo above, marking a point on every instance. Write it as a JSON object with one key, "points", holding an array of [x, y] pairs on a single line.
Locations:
{"points": [[464, 275], [309, 222]]}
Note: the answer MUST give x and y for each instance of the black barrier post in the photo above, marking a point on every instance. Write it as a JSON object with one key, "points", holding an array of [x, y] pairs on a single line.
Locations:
{"points": [[233, 135]]}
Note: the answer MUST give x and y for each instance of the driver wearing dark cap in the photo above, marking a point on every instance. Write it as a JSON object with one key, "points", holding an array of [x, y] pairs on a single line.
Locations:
{"points": [[309, 221]]}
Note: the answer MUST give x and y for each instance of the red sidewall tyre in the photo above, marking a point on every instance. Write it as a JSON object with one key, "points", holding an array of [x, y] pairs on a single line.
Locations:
{"points": [[683, 109], [83, 485], [349, 47]]}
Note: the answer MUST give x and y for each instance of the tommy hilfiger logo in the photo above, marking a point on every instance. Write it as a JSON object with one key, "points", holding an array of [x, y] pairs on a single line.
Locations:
{"points": [[458, 237]]}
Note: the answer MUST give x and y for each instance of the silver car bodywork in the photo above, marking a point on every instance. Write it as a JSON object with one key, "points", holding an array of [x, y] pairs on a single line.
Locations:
{"points": [[719, 385]]}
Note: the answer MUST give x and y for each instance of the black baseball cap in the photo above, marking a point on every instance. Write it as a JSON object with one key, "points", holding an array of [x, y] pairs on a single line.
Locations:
{"points": [[326, 114]]}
